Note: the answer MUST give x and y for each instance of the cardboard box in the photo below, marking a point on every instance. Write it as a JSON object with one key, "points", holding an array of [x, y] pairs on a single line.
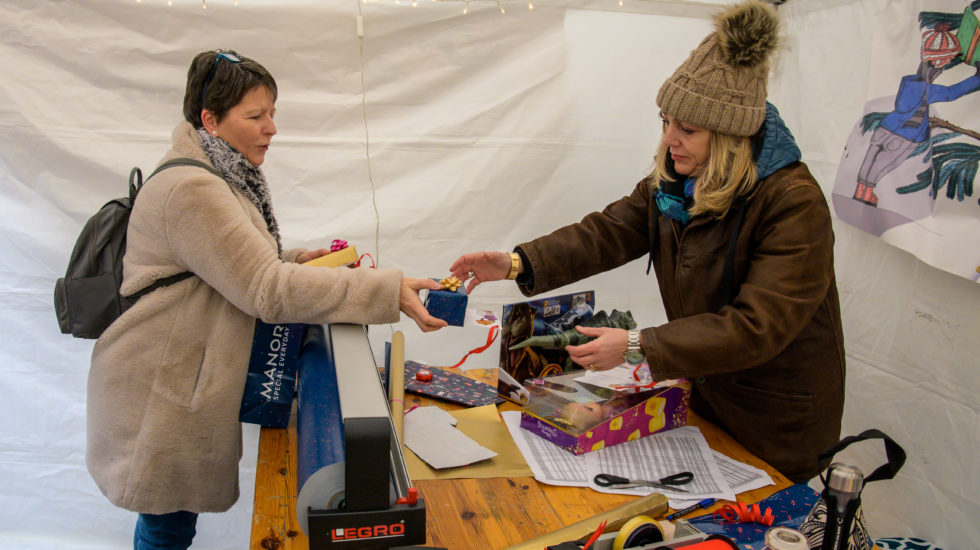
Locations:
{"points": [[581, 418]]}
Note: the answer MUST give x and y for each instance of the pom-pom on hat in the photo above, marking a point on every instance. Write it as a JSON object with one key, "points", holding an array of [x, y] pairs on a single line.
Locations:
{"points": [[722, 84]]}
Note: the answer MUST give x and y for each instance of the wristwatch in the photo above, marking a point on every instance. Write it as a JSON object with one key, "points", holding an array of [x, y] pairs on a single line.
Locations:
{"points": [[634, 352]]}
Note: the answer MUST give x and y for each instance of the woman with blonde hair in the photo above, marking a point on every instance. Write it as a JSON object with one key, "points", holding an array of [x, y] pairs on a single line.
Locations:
{"points": [[739, 235]]}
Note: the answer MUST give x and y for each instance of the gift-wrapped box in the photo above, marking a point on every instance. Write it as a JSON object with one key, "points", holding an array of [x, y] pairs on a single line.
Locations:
{"points": [[446, 304], [580, 417]]}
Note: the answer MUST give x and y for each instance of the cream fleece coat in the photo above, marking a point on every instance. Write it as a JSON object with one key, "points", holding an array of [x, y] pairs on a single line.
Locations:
{"points": [[167, 377]]}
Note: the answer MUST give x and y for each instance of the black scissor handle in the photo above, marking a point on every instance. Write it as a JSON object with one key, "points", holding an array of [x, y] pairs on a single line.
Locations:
{"points": [[678, 478], [606, 480]]}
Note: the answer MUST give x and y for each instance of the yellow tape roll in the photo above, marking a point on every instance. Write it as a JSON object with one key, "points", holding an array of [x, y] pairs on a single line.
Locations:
{"points": [[638, 531]]}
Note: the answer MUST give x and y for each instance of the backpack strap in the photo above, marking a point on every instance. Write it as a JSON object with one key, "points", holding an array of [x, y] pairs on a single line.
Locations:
{"points": [[135, 184], [893, 451], [185, 161]]}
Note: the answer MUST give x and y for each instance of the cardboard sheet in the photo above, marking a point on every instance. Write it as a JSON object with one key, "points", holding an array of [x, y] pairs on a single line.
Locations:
{"points": [[484, 426]]}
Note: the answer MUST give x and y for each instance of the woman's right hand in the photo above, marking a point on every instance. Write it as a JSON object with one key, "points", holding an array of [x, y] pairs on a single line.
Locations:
{"points": [[410, 303], [481, 267]]}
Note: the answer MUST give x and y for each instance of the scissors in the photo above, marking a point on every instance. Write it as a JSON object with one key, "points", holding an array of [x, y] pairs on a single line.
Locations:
{"points": [[667, 483]]}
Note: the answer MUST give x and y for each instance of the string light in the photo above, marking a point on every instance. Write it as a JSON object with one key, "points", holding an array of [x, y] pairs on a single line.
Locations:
{"points": [[466, 6]]}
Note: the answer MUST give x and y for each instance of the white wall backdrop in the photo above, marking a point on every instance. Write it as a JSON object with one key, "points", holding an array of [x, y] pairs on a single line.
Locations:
{"points": [[439, 133]]}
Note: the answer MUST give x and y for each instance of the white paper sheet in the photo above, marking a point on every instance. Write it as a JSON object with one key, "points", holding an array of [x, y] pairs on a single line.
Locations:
{"points": [[659, 455]]}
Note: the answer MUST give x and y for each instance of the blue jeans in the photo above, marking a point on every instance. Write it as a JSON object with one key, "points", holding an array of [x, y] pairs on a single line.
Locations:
{"points": [[174, 531]]}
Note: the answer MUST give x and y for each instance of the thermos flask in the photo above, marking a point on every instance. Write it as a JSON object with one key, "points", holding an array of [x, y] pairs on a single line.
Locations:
{"points": [[844, 484]]}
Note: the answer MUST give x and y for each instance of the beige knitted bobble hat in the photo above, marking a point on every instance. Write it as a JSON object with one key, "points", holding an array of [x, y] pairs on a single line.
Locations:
{"points": [[722, 85]]}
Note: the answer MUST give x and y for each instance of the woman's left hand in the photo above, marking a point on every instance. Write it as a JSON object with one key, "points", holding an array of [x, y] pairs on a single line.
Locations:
{"points": [[603, 353], [311, 255]]}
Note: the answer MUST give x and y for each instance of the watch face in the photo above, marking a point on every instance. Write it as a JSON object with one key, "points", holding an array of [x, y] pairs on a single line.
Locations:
{"points": [[634, 357]]}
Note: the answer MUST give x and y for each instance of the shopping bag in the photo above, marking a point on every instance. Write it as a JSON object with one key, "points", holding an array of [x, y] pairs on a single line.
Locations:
{"points": [[271, 382]]}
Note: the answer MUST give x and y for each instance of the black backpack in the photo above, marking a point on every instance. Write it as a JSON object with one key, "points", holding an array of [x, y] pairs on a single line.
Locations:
{"points": [[87, 298]]}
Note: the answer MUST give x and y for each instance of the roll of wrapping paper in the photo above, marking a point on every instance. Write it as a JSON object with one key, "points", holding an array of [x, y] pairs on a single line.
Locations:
{"points": [[319, 429], [653, 505], [396, 382]]}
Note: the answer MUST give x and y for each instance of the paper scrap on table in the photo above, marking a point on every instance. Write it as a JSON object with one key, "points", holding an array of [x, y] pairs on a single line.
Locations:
{"points": [[615, 377], [622, 376], [741, 477], [431, 435], [480, 318]]}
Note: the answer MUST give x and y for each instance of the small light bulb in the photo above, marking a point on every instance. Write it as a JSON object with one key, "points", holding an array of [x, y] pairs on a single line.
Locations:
{"points": [[530, 6]]}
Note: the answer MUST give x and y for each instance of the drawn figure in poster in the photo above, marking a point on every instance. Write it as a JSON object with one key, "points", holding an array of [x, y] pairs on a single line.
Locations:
{"points": [[902, 131], [910, 151]]}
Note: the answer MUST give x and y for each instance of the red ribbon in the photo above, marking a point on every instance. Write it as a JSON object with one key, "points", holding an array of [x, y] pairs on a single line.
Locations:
{"points": [[491, 336], [636, 377], [744, 513], [338, 244], [368, 254]]}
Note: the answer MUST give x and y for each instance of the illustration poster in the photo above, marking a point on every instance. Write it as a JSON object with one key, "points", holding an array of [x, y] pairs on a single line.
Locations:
{"points": [[909, 167]]}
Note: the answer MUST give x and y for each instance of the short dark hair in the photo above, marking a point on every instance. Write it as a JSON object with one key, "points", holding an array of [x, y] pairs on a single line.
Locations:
{"points": [[217, 83]]}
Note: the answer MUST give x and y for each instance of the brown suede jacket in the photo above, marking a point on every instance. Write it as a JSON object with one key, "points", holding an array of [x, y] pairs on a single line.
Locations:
{"points": [[767, 364]]}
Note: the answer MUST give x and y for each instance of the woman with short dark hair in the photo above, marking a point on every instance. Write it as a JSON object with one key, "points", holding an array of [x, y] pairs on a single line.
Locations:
{"points": [[167, 377]]}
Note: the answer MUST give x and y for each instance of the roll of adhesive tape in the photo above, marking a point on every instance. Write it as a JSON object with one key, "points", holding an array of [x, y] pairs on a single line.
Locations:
{"points": [[319, 430], [638, 531], [785, 538]]}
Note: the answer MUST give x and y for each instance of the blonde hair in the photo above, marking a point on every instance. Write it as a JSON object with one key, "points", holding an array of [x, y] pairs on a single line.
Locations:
{"points": [[729, 173]]}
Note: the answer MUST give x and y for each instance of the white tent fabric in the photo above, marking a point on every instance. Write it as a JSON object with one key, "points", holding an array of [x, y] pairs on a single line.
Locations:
{"points": [[440, 133]]}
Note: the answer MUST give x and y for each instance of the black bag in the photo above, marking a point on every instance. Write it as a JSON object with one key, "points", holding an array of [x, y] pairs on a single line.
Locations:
{"points": [[836, 521], [87, 298]]}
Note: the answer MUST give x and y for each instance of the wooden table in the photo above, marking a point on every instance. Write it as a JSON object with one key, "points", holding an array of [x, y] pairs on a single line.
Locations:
{"points": [[462, 514]]}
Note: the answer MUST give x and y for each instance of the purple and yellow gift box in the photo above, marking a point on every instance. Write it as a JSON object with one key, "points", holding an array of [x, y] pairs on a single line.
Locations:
{"points": [[664, 408]]}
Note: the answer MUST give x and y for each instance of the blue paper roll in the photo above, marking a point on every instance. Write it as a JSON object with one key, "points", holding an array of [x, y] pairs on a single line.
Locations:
{"points": [[319, 429]]}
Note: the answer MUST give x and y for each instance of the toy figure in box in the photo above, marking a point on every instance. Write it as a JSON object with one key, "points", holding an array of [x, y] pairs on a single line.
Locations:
{"points": [[523, 320], [572, 337]]}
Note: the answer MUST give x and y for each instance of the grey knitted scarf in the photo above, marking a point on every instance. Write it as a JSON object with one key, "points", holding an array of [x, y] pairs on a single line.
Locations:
{"points": [[244, 175]]}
